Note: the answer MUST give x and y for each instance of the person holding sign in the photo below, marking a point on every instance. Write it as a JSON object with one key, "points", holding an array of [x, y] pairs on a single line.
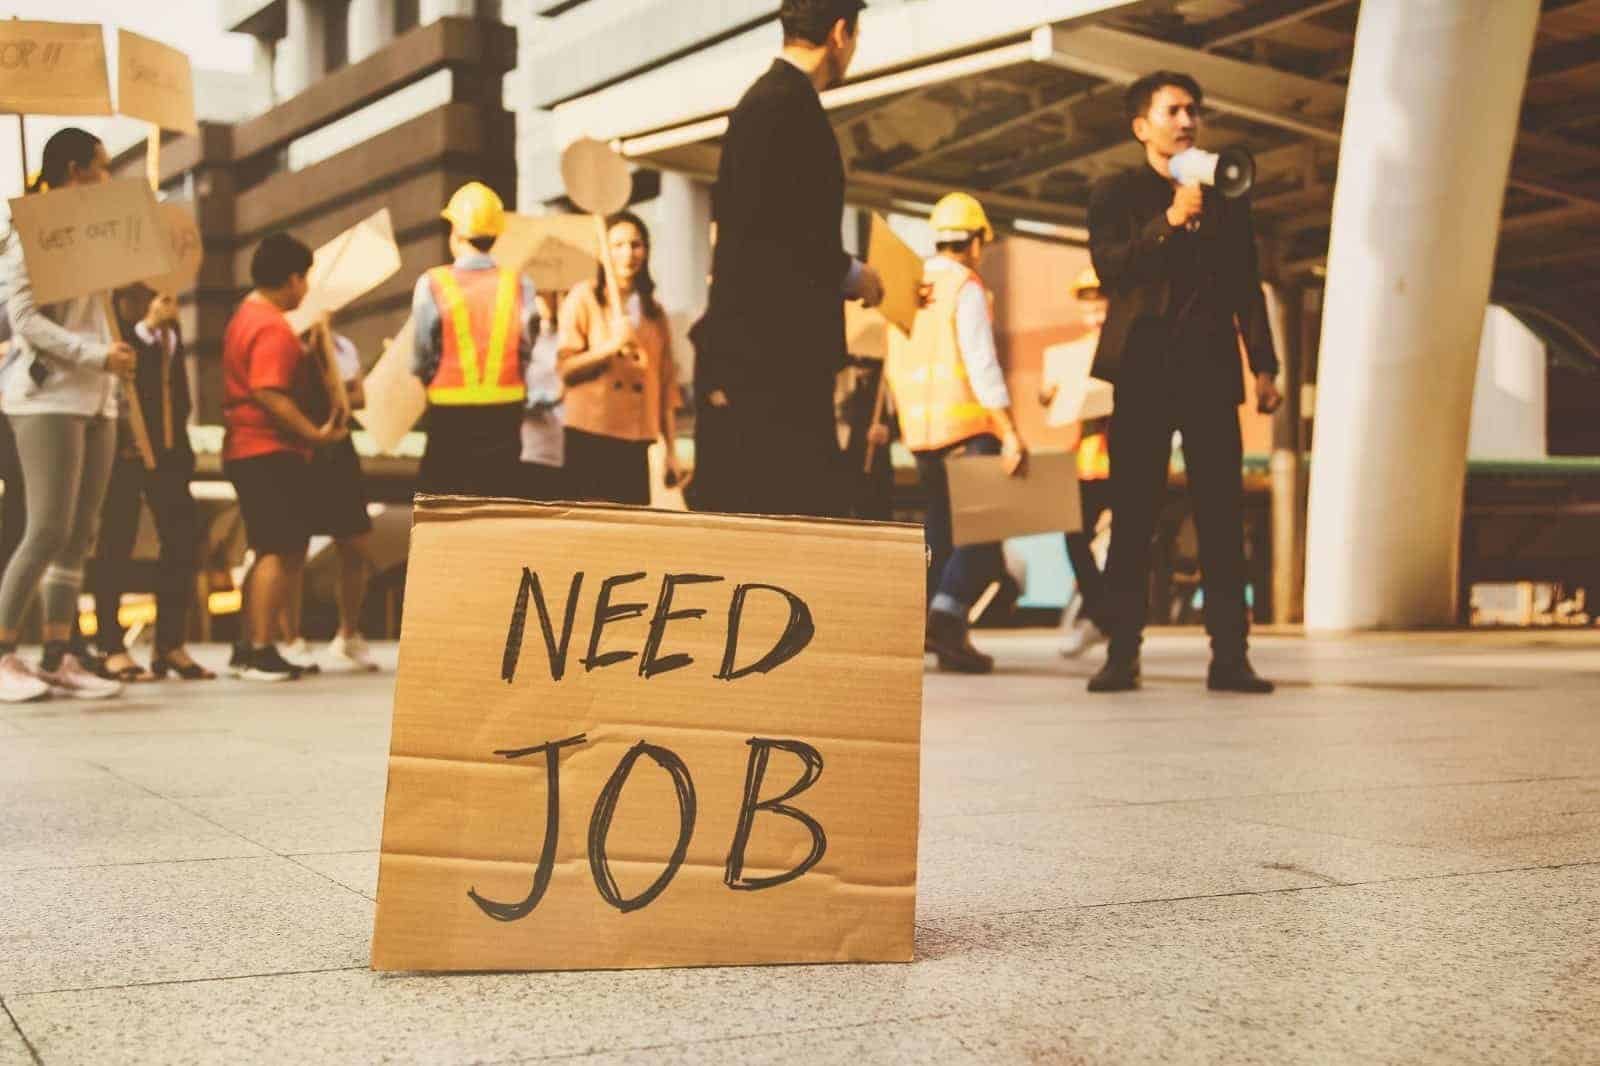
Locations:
{"points": [[773, 336], [268, 447], [151, 321], [952, 399], [60, 394], [544, 440], [474, 329], [616, 362]]}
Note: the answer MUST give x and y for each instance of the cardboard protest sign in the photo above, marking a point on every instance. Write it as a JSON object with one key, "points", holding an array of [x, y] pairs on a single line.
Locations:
{"points": [[901, 271], [866, 331], [395, 397], [91, 238], [183, 234], [554, 251], [987, 505], [347, 268], [626, 738], [53, 68], [597, 179], [155, 83], [1078, 396]]}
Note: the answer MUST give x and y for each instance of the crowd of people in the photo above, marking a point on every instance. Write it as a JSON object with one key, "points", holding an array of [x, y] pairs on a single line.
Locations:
{"points": [[561, 396]]}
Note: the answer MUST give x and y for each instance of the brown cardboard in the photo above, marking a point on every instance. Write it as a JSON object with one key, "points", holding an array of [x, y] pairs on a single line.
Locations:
{"points": [[53, 68], [901, 270], [866, 331], [395, 397], [347, 268], [462, 819], [987, 505], [555, 252], [91, 238], [596, 178], [1078, 396], [154, 83], [183, 234]]}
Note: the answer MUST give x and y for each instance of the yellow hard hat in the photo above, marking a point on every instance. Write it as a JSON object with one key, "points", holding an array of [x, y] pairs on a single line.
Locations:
{"points": [[476, 211], [958, 216], [1088, 281]]}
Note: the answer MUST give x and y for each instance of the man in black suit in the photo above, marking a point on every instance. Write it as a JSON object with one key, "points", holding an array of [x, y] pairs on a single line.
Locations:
{"points": [[1178, 264], [772, 339]]}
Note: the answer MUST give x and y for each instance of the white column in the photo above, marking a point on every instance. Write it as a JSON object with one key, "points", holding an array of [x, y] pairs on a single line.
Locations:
{"points": [[1429, 124], [371, 26], [262, 66], [434, 10], [680, 257], [303, 51]]}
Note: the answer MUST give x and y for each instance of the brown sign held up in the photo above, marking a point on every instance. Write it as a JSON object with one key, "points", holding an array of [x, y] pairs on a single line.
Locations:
{"points": [[554, 251], [53, 68], [183, 233], [91, 238], [901, 270], [987, 504], [155, 83], [628, 738]]}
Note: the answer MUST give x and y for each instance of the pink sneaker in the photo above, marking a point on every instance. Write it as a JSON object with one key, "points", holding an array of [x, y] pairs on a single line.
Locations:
{"points": [[18, 684], [71, 681]]}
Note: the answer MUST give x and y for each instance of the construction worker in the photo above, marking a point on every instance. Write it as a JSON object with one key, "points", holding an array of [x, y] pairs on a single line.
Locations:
{"points": [[952, 399], [474, 327], [1088, 625]]}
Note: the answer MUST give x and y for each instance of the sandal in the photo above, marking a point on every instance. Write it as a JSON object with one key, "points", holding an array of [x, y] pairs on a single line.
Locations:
{"points": [[188, 670], [128, 674]]}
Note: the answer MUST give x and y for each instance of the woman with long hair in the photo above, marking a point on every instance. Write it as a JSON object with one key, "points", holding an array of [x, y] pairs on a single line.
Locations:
{"points": [[60, 393], [617, 365]]}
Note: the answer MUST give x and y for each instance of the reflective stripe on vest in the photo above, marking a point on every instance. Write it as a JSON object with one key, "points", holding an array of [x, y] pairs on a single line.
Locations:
{"points": [[463, 380], [928, 376]]}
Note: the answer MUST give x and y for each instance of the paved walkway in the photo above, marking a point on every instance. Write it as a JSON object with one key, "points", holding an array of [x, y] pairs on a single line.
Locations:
{"points": [[1397, 859]]}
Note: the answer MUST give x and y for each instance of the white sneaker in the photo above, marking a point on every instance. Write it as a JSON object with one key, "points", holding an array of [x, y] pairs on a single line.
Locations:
{"points": [[72, 681], [299, 656], [353, 652], [18, 684], [1082, 636]]}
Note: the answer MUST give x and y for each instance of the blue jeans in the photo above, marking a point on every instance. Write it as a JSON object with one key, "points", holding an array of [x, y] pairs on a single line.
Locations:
{"points": [[956, 576]]}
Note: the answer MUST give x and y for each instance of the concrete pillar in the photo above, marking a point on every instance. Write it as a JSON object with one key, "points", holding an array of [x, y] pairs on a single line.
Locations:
{"points": [[302, 53], [680, 257], [434, 10], [262, 66], [371, 26], [1429, 124]]}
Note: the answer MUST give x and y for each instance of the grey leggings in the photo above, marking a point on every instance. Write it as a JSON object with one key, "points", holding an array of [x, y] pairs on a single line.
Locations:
{"points": [[66, 467]]}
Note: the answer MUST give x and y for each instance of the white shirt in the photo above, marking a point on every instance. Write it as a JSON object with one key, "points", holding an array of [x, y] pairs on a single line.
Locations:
{"points": [[69, 340], [544, 424]]}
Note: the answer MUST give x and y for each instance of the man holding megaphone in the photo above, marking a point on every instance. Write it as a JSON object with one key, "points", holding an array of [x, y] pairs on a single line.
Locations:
{"points": [[1174, 247]]}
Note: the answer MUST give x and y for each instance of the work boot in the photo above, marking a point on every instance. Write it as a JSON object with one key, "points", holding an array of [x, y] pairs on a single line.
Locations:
{"points": [[1237, 676], [947, 638], [1117, 675]]}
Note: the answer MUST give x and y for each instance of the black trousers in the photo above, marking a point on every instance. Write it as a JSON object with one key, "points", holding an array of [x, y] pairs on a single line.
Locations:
{"points": [[1096, 497], [14, 511], [473, 451], [606, 469], [1151, 405], [166, 490]]}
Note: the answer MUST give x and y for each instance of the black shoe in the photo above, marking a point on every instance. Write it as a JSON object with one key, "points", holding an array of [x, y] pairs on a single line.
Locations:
{"points": [[947, 638], [1237, 677], [240, 657], [268, 664], [1117, 675]]}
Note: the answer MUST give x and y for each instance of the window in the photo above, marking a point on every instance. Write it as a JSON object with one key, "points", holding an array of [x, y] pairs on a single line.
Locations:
{"points": [[406, 16]]}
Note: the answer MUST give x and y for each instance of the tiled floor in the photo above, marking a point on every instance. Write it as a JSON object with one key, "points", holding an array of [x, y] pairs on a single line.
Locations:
{"points": [[1396, 859]]}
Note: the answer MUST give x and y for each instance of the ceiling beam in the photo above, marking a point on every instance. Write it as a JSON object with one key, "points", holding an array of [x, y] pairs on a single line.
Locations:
{"points": [[1262, 18], [990, 131]]}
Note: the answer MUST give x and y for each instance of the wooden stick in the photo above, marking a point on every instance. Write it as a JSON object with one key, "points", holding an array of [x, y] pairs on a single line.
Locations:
{"points": [[152, 158], [877, 415], [22, 151], [130, 393]]}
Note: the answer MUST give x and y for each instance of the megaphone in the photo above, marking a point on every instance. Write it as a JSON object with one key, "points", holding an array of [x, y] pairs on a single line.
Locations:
{"points": [[1231, 171]]}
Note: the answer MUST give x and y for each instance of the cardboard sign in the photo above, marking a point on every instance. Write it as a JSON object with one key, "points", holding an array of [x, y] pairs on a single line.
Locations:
{"points": [[597, 179], [53, 68], [987, 505], [554, 251], [1079, 397], [91, 238], [626, 738], [183, 235], [347, 268], [395, 398], [154, 83], [866, 331], [901, 271]]}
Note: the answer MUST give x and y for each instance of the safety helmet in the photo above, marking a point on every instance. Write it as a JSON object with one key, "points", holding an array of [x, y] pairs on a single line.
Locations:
{"points": [[957, 217], [476, 211], [1088, 285]]}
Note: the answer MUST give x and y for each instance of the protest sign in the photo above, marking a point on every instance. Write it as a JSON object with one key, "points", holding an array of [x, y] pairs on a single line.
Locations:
{"points": [[627, 738], [183, 234], [53, 68], [1078, 396], [347, 268], [555, 252], [91, 238], [597, 179], [395, 396], [154, 83], [988, 505], [901, 271], [866, 331]]}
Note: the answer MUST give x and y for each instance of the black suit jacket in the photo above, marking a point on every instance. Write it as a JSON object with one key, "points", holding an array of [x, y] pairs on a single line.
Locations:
{"points": [[1134, 251], [773, 335], [156, 396]]}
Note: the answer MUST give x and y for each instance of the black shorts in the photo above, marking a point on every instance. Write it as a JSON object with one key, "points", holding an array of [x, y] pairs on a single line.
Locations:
{"points": [[274, 500], [338, 498]]}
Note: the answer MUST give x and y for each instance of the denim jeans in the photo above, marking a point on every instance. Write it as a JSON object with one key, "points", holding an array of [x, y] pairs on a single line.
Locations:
{"points": [[956, 576]]}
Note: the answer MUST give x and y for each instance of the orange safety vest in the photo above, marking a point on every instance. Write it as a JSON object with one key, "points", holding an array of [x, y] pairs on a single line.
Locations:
{"points": [[1094, 460], [481, 315], [928, 376]]}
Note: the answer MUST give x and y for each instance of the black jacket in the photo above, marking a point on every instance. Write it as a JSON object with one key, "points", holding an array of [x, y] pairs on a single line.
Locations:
{"points": [[162, 382], [1136, 253], [773, 335]]}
